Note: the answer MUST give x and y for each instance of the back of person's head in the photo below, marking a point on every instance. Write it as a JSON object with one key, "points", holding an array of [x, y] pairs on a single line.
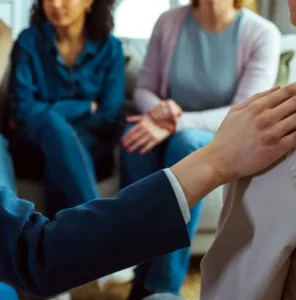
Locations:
{"points": [[98, 15], [237, 3]]}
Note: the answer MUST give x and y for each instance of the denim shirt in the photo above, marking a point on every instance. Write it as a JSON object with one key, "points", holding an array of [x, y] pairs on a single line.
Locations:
{"points": [[41, 82]]}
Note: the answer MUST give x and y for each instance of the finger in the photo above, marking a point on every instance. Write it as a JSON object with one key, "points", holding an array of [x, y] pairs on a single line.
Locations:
{"points": [[155, 115], [286, 126], [284, 110], [174, 108], [148, 147], [287, 143], [129, 135], [167, 125], [256, 97], [133, 138], [162, 112], [141, 142], [278, 97], [133, 119]]}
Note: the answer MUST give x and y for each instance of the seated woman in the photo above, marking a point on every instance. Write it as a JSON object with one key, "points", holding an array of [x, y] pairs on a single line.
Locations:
{"points": [[67, 89], [202, 59]]}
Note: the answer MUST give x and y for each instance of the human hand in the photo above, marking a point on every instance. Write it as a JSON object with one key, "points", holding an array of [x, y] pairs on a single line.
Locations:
{"points": [[166, 114], [255, 134], [94, 107], [144, 136]]}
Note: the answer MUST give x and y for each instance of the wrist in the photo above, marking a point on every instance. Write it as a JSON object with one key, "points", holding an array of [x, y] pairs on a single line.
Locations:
{"points": [[197, 175]]}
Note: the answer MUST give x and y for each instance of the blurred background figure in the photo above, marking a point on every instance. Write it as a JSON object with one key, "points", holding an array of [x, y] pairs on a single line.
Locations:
{"points": [[66, 93], [202, 59]]}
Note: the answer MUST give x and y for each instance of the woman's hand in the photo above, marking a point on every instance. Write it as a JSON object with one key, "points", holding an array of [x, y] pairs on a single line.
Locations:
{"points": [[144, 136], [166, 114], [254, 135]]}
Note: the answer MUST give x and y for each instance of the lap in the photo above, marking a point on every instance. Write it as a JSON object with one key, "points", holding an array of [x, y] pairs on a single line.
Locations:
{"points": [[30, 159]]}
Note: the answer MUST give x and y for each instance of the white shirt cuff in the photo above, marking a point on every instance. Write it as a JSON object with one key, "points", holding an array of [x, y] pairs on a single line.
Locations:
{"points": [[179, 195]]}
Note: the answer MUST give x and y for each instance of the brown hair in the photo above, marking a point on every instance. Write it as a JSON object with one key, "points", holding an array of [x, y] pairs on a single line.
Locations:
{"points": [[237, 3], [99, 21]]}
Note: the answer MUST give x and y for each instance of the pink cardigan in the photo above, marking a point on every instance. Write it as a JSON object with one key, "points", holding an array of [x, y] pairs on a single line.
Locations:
{"points": [[257, 66]]}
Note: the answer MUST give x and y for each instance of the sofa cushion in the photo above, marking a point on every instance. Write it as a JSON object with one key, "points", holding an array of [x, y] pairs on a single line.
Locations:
{"points": [[135, 49]]}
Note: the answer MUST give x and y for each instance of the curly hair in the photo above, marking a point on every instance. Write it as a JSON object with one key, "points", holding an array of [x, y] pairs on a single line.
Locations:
{"points": [[99, 21], [237, 3]]}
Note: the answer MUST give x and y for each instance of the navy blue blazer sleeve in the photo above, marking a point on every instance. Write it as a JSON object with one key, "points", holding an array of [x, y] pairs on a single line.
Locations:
{"points": [[87, 242]]}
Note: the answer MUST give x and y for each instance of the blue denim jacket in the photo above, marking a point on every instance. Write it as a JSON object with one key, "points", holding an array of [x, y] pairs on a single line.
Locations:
{"points": [[41, 82]]}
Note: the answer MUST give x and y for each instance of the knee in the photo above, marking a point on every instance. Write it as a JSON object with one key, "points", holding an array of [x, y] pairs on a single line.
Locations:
{"points": [[54, 131], [51, 121]]}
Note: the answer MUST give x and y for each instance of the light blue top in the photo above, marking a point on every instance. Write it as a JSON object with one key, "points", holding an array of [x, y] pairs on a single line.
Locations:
{"points": [[203, 71]]}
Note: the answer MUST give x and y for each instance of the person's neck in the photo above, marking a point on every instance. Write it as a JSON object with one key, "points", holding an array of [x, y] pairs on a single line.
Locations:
{"points": [[214, 18], [73, 34]]}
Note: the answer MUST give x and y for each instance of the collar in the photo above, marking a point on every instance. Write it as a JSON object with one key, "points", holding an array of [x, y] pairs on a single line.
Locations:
{"points": [[90, 47]]}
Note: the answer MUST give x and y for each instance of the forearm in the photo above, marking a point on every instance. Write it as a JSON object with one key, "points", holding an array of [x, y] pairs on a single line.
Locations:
{"points": [[31, 112], [72, 109], [199, 181], [107, 235], [209, 120]]}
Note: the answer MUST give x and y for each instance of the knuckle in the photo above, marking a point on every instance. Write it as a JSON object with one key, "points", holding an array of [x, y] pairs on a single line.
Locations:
{"points": [[268, 138], [290, 90], [262, 122], [256, 108], [257, 96]]}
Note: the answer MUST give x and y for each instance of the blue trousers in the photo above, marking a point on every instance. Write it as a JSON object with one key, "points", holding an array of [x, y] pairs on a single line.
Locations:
{"points": [[6, 179], [167, 273], [70, 156]]}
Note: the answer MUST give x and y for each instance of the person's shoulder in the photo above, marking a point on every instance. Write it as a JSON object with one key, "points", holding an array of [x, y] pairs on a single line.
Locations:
{"points": [[114, 41], [113, 45], [172, 13], [258, 24], [30, 37], [170, 16]]}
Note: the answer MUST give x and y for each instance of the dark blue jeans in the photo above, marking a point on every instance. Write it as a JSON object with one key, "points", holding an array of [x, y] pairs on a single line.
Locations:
{"points": [[70, 157], [167, 273]]}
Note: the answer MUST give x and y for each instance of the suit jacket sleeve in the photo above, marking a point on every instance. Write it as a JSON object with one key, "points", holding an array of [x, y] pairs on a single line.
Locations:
{"points": [[84, 243]]}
